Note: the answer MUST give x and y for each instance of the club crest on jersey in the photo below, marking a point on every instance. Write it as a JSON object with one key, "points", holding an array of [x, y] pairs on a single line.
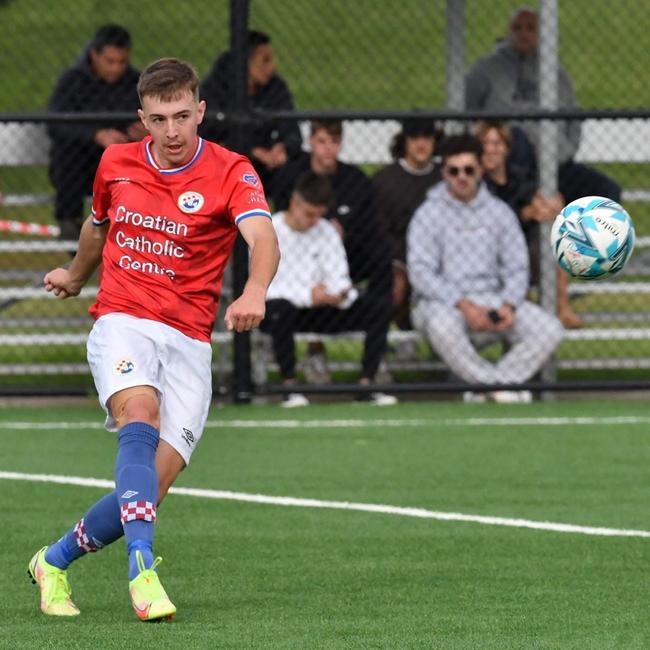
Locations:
{"points": [[190, 201], [124, 367], [250, 178]]}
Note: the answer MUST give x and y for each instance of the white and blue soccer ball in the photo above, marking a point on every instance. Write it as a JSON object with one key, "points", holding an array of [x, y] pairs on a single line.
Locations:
{"points": [[592, 237]]}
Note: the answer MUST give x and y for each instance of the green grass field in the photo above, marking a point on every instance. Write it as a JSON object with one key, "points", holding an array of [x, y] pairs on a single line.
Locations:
{"points": [[256, 575]]}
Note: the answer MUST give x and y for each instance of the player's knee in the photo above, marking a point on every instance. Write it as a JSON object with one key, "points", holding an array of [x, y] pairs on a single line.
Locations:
{"points": [[139, 404]]}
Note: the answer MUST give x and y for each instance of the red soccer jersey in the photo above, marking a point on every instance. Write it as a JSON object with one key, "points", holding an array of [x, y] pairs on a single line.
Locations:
{"points": [[171, 231]]}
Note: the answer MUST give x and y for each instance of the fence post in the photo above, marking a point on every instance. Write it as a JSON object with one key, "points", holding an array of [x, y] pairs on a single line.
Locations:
{"points": [[242, 385], [548, 155]]}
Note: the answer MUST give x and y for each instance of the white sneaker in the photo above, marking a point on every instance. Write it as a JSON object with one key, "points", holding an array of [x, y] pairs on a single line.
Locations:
{"points": [[512, 396], [382, 399], [470, 397], [294, 400], [378, 399]]}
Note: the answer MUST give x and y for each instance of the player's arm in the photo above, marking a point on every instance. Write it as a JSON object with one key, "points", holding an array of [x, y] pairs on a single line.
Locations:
{"points": [[248, 310], [68, 282]]}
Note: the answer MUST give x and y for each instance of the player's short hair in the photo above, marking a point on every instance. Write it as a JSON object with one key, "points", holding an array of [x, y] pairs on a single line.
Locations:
{"points": [[481, 128], [167, 79], [112, 34], [332, 127], [454, 145], [314, 189]]}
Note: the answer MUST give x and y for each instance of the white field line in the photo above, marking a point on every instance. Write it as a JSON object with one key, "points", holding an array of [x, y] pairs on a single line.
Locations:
{"points": [[295, 502], [360, 423]]}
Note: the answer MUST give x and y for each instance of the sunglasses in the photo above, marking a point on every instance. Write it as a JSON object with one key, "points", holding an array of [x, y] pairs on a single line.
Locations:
{"points": [[468, 170]]}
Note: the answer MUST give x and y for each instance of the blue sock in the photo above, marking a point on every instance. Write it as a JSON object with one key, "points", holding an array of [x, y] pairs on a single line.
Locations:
{"points": [[99, 527], [136, 482]]}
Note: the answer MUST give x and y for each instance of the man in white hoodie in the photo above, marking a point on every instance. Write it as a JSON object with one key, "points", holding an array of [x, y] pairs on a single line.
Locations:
{"points": [[312, 290], [468, 266]]}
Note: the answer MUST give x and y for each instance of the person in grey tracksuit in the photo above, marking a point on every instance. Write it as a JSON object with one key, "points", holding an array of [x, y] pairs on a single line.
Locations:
{"points": [[467, 262]]}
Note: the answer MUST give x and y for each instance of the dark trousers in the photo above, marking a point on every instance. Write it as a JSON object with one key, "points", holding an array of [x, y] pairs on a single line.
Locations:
{"points": [[284, 319]]}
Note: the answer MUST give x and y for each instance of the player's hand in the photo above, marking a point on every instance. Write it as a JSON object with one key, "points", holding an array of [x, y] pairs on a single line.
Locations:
{"points": [[61, 283], [246, 312]]}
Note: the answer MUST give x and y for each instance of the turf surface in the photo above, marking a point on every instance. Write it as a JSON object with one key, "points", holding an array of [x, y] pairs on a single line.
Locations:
{"points": [[248, 575]]}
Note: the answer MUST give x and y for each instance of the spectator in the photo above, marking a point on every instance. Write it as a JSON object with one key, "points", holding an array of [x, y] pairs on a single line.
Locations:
{"points": [[518, 189], [271, 145], [400, 188], [101, 80], [508, 79], [313, 291], [468, 267], [352, 213]]}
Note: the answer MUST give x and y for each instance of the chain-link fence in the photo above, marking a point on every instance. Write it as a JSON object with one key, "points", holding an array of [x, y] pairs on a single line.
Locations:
{"points": [[371, 97]]}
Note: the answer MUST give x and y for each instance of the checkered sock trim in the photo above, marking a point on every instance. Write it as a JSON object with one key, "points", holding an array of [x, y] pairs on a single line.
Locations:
{"points": [[82, 539], [138, 510]]}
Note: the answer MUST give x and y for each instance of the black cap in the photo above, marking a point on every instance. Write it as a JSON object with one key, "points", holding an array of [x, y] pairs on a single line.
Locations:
{"points": [[414, 126]]}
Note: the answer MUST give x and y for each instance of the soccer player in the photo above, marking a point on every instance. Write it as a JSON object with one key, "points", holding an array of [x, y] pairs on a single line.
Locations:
{"points": [[166, 212]]}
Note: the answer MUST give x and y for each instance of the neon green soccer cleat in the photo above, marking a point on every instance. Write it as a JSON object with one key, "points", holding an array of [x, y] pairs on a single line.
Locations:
{"points": [[55, 589], [148, 597]]}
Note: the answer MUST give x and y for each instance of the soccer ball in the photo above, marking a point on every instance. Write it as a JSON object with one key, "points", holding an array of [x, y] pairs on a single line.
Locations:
{"points": [[592, 237]]}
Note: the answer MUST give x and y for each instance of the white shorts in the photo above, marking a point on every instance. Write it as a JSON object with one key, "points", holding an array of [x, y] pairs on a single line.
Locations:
{"points": [[124, 351]]}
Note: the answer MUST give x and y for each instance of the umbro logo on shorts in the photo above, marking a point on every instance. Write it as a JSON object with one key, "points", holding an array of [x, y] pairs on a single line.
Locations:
{"points": [[188, 436], [128, 494]]}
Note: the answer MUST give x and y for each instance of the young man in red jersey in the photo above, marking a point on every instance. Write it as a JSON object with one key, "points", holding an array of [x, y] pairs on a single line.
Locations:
{"points": [[166, 212]]}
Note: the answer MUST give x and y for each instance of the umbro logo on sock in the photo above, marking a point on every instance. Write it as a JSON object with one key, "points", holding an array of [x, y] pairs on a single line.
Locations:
{"points": [[128, 494]]}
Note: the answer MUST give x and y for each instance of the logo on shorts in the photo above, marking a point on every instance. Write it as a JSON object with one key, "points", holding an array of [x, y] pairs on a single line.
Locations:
{"points": [[190, 201], [188, 436], [128, 494], [124, 367], [250, 178]]}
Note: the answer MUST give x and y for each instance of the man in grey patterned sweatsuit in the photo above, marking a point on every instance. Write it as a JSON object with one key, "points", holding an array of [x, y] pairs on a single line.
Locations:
{"points": [[468, 265]]}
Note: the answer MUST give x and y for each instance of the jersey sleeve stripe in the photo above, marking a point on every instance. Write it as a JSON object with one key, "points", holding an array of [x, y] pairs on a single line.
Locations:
{"points": [[252, 213], [100, 222]]}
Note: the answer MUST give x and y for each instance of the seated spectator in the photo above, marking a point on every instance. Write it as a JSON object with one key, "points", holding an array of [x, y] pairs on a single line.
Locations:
{"points": [[519, 190], [271, 145], [468, 267], [508, 80], [102, 80], [399, 189], [312, 290], [353, 213]]}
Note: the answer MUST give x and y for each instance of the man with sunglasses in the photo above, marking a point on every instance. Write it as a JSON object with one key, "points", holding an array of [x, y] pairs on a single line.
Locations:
{"points": [[468, 266]]}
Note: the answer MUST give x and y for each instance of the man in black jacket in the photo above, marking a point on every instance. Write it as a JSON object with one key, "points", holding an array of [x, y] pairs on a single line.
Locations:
{"points": [[271, 144], [102, 80]]}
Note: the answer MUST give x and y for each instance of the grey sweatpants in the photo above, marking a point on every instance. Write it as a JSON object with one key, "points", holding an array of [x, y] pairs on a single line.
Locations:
{"points": [[533, 338]]}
